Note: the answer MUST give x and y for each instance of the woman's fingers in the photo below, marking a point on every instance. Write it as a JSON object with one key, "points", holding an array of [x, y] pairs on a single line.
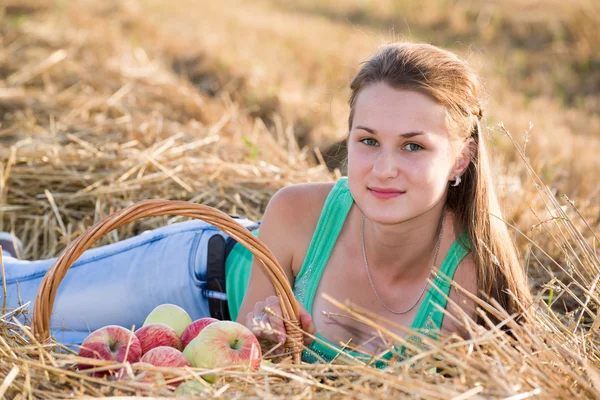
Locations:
{"points": [[276, 320], [255, 320], [306, 322], [259, 309], [268, 314], [263, 324], [250, 323]]}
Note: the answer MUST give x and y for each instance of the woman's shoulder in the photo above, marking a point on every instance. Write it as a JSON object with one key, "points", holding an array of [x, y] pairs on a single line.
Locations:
{"points": [[301, 202], [296, 210], [302, 195]]}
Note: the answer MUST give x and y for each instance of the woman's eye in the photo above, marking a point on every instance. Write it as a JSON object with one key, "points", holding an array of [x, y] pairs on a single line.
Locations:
{"points": [[369, 142], [412, 147]]}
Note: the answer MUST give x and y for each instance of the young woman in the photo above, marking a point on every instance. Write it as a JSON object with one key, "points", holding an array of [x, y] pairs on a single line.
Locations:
{"points": [[418, 199]]}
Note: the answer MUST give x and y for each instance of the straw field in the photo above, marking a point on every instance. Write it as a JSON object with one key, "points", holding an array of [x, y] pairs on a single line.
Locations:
{"points": [[104, 104]]}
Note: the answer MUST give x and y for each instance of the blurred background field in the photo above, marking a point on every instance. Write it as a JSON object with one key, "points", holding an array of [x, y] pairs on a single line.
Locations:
{"points": [[105, 103]]}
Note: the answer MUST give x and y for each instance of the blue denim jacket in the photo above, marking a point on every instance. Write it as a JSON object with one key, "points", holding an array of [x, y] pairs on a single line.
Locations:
{"points": [[119, 284]]}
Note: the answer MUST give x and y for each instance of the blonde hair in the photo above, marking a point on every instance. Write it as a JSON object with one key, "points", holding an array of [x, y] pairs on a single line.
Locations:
{"points": [[451, 82]]}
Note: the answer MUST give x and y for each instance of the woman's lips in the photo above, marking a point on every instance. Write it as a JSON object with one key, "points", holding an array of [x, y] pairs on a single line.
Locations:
{"points": [[385, 195]]}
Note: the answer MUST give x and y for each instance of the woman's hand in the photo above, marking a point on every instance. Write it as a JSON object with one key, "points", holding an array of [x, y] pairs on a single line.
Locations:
{"points": [[259, 319]]}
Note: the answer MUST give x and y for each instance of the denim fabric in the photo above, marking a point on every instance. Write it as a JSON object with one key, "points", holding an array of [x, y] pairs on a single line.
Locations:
{"points": [[119, 284]]}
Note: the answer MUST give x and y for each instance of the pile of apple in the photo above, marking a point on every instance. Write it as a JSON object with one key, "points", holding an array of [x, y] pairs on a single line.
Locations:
{"points": [[169, 338]]}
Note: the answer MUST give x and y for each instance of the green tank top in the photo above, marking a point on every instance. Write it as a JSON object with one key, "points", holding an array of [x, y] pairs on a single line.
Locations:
{"points": [[428, 320]]}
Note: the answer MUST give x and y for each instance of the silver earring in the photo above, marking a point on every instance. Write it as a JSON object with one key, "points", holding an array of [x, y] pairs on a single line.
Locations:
{"points": [[456, 181]]}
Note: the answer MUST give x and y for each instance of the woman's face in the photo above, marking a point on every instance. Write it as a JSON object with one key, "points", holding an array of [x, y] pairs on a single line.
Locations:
{"points": [[399, 143]]}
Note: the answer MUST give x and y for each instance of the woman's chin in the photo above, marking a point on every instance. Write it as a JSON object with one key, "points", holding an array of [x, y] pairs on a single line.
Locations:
{"points": [[386, 217], [392, 214]]}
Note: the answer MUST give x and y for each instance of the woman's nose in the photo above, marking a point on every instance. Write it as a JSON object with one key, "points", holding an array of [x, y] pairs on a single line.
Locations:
{"points": [[385, 166]]}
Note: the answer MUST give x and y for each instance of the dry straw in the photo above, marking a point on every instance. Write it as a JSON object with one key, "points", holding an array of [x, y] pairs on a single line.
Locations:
{"points": [[93, 124]]}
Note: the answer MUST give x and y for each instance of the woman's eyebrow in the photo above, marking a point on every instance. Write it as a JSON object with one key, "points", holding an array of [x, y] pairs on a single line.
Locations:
{"points": [[404, 135]]}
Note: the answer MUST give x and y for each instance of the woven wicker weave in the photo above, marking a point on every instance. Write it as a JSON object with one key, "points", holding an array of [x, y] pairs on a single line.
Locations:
{"points": [[150, 208]]}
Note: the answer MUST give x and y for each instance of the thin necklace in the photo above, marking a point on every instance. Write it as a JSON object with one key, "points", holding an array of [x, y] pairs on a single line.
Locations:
{"points": [[437, 248]]}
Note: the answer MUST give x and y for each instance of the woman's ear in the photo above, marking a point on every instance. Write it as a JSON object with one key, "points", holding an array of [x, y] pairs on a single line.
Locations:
{"points": [[468, 151]]}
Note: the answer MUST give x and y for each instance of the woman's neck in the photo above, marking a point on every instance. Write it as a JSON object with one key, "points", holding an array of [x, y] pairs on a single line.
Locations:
{"points": [[406, 250]]}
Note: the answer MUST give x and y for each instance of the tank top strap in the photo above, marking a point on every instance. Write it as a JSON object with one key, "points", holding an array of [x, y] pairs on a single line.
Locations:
{"points": [[334, 213], [430, 315]]}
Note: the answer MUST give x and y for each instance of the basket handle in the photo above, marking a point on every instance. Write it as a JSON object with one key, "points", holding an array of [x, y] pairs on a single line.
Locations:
{"points": [[150, 208]]}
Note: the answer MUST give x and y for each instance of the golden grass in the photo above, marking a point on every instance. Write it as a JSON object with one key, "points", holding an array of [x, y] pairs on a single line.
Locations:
{"points": [[99, 129], [544, 356], [106, 104], [322, 49]]}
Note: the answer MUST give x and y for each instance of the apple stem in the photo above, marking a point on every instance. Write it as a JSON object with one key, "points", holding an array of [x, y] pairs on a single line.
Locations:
{"points": [[235, 343]]}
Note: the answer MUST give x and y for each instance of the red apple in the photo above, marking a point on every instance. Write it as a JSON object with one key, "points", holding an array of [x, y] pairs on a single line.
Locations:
{"points": [[111, 343], [194, 329], [155, 335], [153, 379], [223, 344], [165, 356]]}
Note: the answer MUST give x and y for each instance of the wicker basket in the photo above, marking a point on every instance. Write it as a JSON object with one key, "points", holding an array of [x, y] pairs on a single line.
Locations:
{"points": [[150, 208]]}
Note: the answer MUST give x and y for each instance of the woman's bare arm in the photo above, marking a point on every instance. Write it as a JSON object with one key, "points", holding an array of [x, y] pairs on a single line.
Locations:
{"points": [[466, 277], [279, 232]]}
